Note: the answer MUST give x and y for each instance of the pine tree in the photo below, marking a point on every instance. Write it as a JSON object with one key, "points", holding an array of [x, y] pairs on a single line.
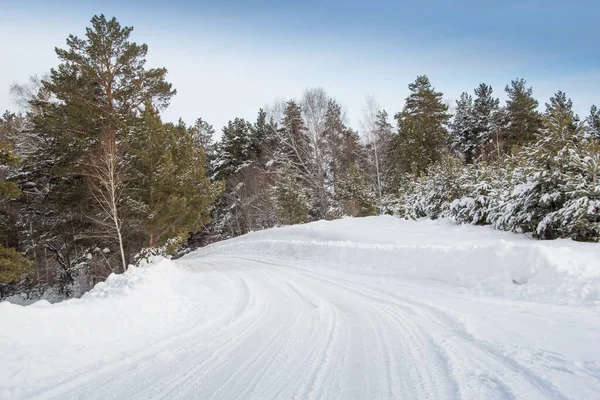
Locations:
{"points": [[487, 117], [202, 136], [13, 266], [235, 149], [485, 185], [432, 193], [422, 134], [342, 147], [293, 146], [559, 117], [105, 72], [542, 173], [289, 198], [334, 132], [262, 133], [172, 196], [593, 123], [8, 159], [355, 194], [523, 119], [94, 95], [463, 127]]}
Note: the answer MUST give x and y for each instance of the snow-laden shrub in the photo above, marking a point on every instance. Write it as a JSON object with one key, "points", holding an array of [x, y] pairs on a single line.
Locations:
{"points": [[172, 248], [485, 185], [579, 214], [555, 191], [431, 194]]}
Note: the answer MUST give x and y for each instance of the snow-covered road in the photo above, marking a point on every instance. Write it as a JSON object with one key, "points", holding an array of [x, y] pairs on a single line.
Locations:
{"points": [[354, 309]]}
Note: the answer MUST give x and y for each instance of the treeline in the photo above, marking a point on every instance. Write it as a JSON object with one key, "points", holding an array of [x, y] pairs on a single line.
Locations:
{"points": [[510, 166], [92, 179]]}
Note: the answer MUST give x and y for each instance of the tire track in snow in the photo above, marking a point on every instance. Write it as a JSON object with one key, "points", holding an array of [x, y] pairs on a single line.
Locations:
{"points": [[447, 323]]}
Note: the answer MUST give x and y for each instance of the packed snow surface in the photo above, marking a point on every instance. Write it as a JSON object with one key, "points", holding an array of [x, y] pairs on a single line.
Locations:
{"points": [[374, 308]]}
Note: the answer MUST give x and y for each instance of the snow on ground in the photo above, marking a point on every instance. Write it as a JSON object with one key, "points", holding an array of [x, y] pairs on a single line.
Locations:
{"points": [[350, 309]]}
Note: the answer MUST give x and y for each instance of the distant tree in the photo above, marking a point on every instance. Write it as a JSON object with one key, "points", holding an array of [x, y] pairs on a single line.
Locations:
{"points": [[202, 134], [235, 150], [9, 190], [8, 160], [261, 134], [560, 117], [289, 198], [355, 194], [379, 140], [464, 129], [593, 123], [293, 144], [523, 119], [488, 117], [422, 134], [13, 266]]}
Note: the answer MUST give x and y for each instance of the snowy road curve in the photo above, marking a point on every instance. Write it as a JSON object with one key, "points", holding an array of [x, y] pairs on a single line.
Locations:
{"points": [[354, 309]]}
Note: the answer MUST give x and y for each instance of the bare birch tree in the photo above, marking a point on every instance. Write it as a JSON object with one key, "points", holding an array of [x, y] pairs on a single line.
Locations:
{"points": [[377, 133], [106, 186], [314, 111]]}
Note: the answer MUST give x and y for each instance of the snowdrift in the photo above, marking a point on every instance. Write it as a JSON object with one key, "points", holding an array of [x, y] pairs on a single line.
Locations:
{"points": [[479, 259], [120, 318]]}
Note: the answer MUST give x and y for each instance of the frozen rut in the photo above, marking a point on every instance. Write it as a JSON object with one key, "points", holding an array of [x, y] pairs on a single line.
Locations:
{"points": [[239, 321]]}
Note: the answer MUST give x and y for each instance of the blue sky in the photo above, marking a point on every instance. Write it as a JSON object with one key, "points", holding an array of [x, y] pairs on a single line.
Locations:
{"points": [[228, 58]]}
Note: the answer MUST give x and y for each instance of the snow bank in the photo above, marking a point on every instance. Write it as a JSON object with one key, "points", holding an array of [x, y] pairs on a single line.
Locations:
{"points": [[479, 259], [117, 319]]}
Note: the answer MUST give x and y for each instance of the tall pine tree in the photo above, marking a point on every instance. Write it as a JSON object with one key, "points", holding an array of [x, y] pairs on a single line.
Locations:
{"points": [[523, 119], [593, 123], [422, 134]]}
